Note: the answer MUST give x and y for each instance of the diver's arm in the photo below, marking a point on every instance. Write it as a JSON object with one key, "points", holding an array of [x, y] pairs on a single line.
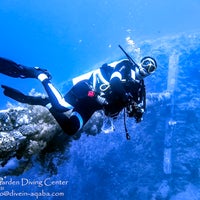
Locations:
{"points": [[119, 73]]}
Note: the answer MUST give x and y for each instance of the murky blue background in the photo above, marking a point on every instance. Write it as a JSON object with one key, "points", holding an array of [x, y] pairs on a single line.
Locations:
{"points": [[70, 38]]}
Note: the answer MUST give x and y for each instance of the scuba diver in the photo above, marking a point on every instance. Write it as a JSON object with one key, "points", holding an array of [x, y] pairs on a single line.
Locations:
{"points": [[113, 87]]}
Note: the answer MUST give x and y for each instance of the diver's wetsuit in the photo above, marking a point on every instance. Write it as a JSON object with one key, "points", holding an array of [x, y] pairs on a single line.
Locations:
{"points": [[84, 105]]}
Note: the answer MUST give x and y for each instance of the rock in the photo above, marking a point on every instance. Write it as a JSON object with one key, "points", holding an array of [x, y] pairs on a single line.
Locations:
{"points": [[25, 131]]}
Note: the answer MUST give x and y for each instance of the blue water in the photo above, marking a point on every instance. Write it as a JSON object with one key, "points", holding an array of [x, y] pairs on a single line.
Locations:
{"points": [[71, 38]]}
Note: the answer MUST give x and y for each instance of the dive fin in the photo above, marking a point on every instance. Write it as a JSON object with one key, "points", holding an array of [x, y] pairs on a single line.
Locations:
{"points": [[10, 68], [14, 94], [20, 97]]}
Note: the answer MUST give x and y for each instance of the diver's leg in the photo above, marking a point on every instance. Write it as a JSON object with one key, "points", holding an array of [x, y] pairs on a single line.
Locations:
{"points": [[56, 100], [74, 121], [70, 123]]}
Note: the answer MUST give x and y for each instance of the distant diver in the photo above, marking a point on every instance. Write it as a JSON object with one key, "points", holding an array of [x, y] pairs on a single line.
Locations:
{"points": [[111, 88]]}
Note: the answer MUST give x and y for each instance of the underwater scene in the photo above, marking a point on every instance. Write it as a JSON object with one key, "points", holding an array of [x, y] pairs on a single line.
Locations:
{"points": [[161, 161]]}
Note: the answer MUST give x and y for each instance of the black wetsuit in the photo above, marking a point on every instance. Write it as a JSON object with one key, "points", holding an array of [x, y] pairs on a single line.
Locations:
{"points": [[119, 79]]}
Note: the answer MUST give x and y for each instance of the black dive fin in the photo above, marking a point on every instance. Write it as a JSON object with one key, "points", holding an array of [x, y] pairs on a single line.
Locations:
{"points": [[19, 96], [10, 68], [14, 94]]}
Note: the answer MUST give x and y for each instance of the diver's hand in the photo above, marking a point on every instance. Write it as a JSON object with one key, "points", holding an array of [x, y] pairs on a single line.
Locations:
{"points": [[138, 115], [133, 110]]}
